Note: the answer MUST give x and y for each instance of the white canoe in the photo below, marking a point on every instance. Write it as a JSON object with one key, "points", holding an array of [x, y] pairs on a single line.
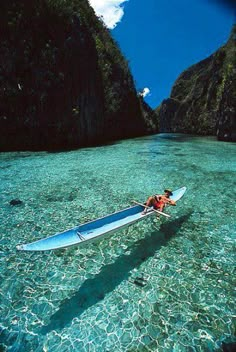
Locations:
{"points": [[95, 229]]}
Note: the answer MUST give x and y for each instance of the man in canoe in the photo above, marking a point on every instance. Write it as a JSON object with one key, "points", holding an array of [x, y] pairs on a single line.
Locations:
{"points": [[159, 201]]}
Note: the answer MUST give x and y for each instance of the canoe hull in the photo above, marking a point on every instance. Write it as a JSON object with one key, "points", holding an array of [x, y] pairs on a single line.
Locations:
{"points": [[95, 229]]}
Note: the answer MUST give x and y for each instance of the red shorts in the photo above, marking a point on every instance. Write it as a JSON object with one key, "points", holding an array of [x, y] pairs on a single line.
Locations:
{"points": [[158, 204]]}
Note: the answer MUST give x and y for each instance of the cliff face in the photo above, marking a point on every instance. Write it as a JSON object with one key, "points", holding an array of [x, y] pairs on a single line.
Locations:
{"points": [[63, 81], [203, 98]]}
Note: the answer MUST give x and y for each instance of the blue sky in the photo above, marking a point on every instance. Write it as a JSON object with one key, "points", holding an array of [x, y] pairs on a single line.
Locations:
{"points": [[161, 38]]}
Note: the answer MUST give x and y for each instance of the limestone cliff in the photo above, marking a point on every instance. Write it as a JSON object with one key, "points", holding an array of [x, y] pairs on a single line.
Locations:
{"points": [[63, 80], [203, 98]]}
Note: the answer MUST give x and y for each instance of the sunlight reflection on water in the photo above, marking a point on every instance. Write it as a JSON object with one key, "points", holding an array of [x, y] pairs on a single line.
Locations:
{"points": [[154, 286]]}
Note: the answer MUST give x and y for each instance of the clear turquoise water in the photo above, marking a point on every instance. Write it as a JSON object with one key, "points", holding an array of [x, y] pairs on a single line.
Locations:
{"points": [[85, 298]]}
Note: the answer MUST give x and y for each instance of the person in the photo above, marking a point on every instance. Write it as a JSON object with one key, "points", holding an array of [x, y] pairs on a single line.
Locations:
{"points": [[159, 201]]}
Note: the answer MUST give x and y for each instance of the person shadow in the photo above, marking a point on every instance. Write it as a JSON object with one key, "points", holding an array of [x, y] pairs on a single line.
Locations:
{"points": [[95, 289]]}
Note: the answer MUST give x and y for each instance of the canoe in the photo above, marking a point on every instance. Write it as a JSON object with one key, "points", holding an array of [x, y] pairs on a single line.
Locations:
{"points": [[95, 229]]}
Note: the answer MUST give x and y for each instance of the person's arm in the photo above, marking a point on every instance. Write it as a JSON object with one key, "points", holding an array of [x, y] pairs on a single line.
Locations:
{"points": [[172, 202]]}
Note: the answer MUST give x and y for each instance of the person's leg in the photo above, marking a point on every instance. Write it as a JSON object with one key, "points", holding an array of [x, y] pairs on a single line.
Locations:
{"points": [[149, 203]]}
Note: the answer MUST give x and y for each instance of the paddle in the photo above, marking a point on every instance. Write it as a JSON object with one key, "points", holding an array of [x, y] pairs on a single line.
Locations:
{"points": [[157, 211]]}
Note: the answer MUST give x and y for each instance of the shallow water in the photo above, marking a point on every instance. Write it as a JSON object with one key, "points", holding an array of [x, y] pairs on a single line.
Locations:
{"points": [[155, 286]]}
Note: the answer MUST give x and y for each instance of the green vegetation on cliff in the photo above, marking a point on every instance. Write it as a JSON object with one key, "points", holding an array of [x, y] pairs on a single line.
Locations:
{"points": [[63, 80], [203, 98]]}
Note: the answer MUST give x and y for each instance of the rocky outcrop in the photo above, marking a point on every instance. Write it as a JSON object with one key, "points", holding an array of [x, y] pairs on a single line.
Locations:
{"points": [[63, 81], [203, 98], [150, 117]]}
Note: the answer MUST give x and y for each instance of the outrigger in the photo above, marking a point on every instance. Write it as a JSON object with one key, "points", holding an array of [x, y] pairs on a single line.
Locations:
{"points": [[98, 228]]}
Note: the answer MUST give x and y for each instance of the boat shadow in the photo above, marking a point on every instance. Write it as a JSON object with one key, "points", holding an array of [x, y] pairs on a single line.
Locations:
{"points": [[94, 290]]}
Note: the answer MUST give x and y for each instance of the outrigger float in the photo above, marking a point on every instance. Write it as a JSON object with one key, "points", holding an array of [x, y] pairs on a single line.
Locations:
{"points": [[98, 228]]}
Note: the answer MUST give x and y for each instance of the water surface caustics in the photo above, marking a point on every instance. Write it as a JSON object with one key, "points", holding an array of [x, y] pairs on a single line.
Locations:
{"points": [[155, 286]]}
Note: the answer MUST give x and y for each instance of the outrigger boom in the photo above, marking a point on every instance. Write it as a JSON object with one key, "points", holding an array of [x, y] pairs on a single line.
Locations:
{"points": [[150, 208], [96, 229]]}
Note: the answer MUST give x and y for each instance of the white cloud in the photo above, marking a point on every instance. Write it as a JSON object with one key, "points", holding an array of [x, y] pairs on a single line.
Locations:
{"points": [[145, 92], [110, 10]]}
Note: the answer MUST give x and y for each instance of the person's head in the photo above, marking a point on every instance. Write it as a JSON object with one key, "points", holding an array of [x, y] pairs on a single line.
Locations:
{"points": [[168, 192]]}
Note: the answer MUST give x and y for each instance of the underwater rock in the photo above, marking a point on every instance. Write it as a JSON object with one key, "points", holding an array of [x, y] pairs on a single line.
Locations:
{"points": [[229, 347], [2, 348], [16, 202]]}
